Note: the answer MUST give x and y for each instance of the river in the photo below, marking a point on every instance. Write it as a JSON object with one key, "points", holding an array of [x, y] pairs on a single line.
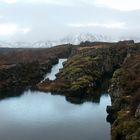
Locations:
{"points": [[36, 115]]}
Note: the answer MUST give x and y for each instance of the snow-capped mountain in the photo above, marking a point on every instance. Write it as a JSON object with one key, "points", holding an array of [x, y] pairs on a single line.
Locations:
{"points": [[69, 39], [39, 44], [5, 44], [44, 44], [21, 45], [81, 37], [14, 44]]}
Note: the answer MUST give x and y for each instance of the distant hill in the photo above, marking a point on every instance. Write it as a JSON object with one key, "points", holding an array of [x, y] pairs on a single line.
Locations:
{"points": [[69, 39]]}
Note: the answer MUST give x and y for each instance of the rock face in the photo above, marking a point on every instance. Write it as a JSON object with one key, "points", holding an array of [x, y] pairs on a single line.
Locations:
{"points": [[125, 95], [23, 74], [137, 113]]}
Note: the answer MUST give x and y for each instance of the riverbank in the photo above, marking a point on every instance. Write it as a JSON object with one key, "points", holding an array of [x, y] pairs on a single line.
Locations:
{"points": [[124, 113], [88, 68], [85, 72], [20, 68], [39, 115]]}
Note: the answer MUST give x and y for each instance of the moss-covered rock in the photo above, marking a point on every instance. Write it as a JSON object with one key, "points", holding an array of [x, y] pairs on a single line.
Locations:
{"points": [[88, 66], [125, 94], [86, 70]]}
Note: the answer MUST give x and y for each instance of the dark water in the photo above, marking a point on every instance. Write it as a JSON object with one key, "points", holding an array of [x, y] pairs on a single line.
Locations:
{"points": [[39, 116]]}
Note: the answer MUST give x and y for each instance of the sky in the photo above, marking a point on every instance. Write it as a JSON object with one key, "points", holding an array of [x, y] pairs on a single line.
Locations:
{"points": [[34, 20]]}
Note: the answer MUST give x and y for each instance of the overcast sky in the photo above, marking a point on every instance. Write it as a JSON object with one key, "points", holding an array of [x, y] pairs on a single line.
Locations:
{"points": [[33, 20]]}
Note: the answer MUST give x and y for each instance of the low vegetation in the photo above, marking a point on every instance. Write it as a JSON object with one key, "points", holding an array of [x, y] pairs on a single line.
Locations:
{"points": [[85, 72], [26, 67], [125, 93], [90, 68]]}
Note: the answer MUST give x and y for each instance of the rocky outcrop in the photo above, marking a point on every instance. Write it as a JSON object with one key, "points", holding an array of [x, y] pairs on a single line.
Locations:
{"points": [[86, 71], [125, 95], [137, 113], [88, 67], [26, 67], [24, 74]]}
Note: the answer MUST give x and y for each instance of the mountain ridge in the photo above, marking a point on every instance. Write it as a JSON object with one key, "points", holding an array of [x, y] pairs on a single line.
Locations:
{"points": [[69, 39]]}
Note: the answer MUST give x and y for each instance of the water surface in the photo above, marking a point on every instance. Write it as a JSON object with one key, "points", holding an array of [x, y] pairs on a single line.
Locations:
{"points": [[55, 70], [39, 116]]}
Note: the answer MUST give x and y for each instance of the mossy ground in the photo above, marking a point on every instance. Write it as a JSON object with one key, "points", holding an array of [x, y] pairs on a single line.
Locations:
{"points": [[127, 80], [125, 127]]}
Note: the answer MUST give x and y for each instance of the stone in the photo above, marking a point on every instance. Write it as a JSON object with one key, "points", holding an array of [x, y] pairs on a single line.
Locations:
{"points": [[137, 113]]}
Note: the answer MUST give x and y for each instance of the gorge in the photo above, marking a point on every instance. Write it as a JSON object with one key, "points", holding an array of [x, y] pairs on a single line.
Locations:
{"points": [[93, 73]]}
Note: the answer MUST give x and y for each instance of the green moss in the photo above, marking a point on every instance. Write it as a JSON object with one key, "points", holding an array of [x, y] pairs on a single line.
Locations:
{"points": [[82, 72], [125, 127], [83, 82]]}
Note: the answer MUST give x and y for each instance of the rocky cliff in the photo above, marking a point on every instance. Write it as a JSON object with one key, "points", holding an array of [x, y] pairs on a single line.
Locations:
{"points": [[125, 94]]}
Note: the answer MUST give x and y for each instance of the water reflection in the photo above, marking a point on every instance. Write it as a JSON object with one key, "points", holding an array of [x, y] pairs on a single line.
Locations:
{"points": [[37, 115], [11, 93], [94, 98]]}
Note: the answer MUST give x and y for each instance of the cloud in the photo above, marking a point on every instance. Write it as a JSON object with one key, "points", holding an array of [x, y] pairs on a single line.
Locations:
{"points": [[1, 17], [56, 2], [122, 5], [9, 1], [52, 19], [116, 25], [25, 30], [8, 29]]}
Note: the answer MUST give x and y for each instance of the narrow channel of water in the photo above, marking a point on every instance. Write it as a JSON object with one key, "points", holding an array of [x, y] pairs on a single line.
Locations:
{"points": [[39, 116], [55, 70]]}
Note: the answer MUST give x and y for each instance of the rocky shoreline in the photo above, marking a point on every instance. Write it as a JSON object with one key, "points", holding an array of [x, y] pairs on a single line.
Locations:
{"points": [[88, 67], [24, 74], [124, 113], [26, 67], [91, 69]]}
